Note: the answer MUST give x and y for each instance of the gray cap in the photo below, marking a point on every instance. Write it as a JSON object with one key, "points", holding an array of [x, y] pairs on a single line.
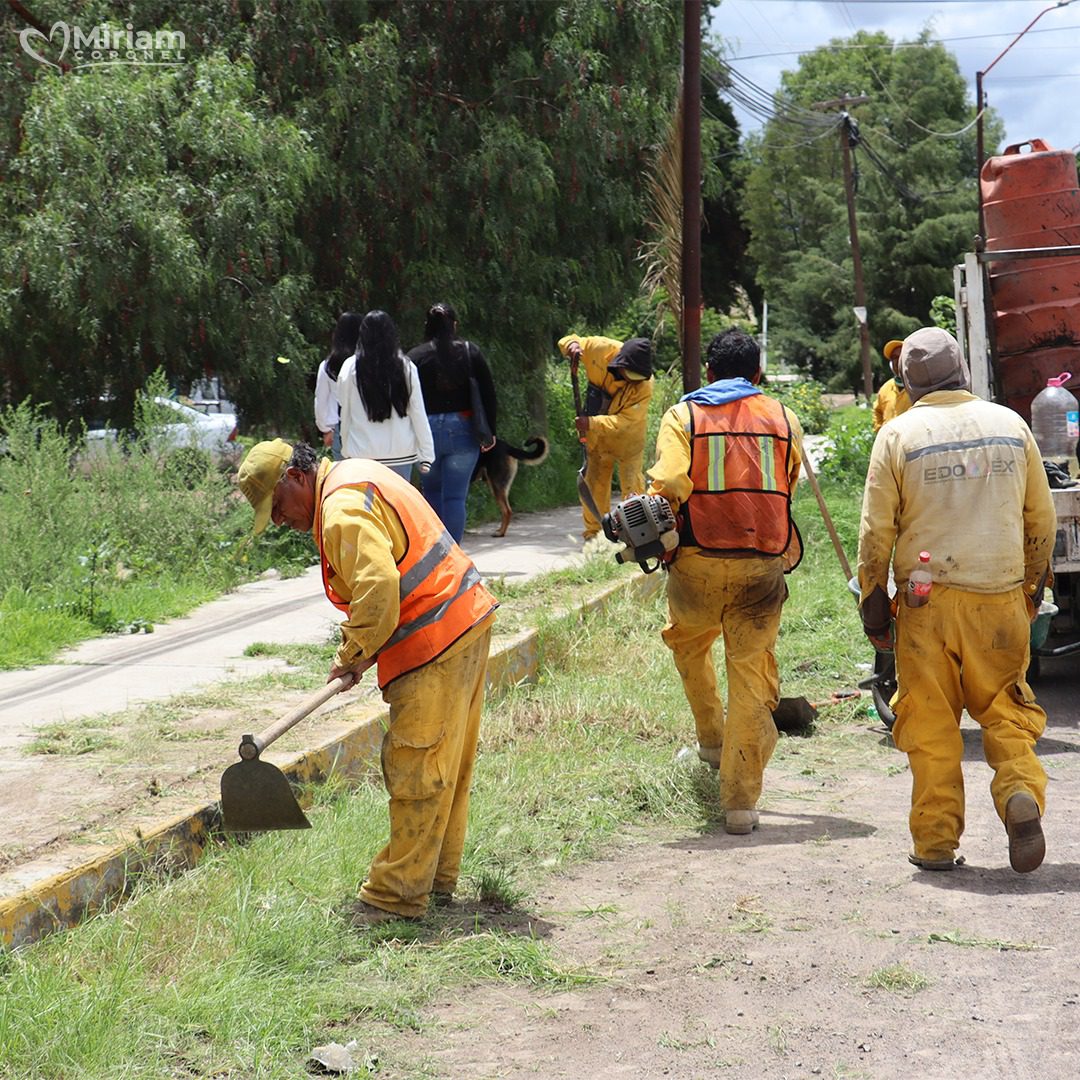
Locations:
{"points": [[931, 360]]}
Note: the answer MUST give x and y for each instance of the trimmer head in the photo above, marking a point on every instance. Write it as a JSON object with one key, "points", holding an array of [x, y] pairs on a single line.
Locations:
{"points": [[257, 797]]}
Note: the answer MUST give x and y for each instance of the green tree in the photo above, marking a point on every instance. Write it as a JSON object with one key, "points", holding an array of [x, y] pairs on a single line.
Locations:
{"points": [[915, 199], [314, 157]]}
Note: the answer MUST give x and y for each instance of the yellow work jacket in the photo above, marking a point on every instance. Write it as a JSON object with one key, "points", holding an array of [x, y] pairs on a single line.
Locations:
{"points": [[390, 565], [620, 431], [962, 479], [671, 475], [891, 400]]}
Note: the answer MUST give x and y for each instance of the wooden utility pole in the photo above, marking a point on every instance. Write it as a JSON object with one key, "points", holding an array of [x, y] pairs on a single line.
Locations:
{"points": [[691, 196], [847, 140]]}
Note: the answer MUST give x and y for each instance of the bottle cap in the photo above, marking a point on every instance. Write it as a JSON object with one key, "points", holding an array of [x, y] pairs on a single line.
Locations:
{"points": [[1059, 380], [924, 556]]}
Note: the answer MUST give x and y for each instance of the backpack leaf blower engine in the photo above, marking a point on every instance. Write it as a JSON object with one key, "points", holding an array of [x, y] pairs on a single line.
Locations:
{"points": [[646, 525]]}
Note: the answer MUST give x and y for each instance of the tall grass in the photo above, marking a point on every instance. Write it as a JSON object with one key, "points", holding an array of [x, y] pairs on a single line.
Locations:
{"points": [[139, 536], [241, 966]]}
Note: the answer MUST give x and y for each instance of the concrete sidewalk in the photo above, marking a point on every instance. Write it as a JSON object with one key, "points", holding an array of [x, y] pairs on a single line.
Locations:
{"points": [[77, 824], [112, 673]]}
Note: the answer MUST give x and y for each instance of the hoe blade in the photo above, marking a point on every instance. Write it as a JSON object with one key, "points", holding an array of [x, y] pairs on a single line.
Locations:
{"points": [[257, 797]]}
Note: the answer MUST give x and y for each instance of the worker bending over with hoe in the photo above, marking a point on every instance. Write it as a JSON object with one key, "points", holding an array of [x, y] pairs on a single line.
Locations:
{"points": [[892, 399], [960, 480], [617, 411], [415, 605], [728, 458]]}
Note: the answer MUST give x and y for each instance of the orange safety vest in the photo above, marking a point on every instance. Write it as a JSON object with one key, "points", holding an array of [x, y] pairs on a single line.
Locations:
{"points": [[442, 596], [739, 459]]}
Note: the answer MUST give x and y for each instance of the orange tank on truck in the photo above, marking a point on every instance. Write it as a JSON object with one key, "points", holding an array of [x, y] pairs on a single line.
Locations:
{"points": [[1018, 322]]}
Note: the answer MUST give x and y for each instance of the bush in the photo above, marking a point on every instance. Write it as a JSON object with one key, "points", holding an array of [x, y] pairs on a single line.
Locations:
{"points": [[849, 439], [805, 401], [120, 544]]}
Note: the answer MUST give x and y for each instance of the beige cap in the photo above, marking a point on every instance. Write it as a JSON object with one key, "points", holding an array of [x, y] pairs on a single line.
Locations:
{"points": [[259, 474], [931, 360]]}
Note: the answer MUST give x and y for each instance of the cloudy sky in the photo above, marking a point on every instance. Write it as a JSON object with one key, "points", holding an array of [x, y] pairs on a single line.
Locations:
{"points": [[1035, 88]]}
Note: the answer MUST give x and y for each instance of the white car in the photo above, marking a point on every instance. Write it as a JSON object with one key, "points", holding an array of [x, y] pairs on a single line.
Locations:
{"points": [[215, 433]]}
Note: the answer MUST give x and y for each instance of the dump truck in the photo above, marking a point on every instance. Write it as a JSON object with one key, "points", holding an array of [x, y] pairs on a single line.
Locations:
{"points": [[1018, 323]]}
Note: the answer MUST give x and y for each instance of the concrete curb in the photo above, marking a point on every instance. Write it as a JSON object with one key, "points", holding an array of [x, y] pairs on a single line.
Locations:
{"points": [[61, 901]]}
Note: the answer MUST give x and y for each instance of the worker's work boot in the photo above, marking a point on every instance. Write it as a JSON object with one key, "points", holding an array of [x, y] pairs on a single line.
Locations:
{"points": [[710, 755], [1027, 845], [365, 915], [937, 862], [740, 822]]}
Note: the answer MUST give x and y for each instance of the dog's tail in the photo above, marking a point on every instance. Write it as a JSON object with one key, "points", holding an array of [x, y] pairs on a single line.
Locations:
{"points": [[537, 450]]}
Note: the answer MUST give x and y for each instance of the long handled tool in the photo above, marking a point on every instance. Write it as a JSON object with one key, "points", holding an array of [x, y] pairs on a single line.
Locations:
{"points": [[255, 795], [827, 518], [795, 714], [582, 486]]}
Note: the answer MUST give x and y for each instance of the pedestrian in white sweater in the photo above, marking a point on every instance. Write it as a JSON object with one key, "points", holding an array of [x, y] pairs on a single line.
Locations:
{"points": [[382, 406]]}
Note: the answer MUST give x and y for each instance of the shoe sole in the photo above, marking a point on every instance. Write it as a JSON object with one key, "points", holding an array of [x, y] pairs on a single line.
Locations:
{"points": [[1027, 845]]}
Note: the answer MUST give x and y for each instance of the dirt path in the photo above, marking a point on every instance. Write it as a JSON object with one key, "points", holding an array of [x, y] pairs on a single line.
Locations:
{"points": [[810, 948]]}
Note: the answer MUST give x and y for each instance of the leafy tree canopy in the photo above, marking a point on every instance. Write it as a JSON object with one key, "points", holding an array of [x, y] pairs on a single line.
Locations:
{"points": [[309, 158], [916, 200]]}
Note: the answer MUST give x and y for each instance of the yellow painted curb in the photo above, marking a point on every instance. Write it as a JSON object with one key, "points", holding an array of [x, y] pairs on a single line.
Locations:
{"points": [[61, 901]]}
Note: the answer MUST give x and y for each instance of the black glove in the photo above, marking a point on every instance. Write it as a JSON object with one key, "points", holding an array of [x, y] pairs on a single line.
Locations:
{"points": [[876, 614], [1057, 477]]}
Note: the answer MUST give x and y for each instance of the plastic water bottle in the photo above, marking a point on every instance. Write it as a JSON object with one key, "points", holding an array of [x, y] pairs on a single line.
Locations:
{"points": [[918, 586], [1055, 421]]}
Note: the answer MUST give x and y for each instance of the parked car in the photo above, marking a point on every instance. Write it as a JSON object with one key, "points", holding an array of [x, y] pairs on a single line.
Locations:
{"points": [[182, 427]]}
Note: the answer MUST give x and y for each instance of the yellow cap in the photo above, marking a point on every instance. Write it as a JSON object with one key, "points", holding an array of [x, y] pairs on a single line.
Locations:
{"points": [[259, 474], [891, 351]]}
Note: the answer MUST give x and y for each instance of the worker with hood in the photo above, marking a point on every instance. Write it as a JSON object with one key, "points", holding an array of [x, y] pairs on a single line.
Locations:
{"points": [[617, 412], [959, 481], [727, 459], [415, 606], [892, 399]]}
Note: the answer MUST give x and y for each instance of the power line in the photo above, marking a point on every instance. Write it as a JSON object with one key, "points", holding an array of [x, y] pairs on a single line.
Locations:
{"points": [[905, 44]]}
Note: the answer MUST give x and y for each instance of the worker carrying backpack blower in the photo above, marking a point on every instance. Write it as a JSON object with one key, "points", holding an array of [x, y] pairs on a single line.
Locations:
{"points": [[727, 461]]}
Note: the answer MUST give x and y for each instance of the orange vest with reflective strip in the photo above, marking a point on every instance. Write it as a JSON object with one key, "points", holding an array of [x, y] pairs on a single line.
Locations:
{"points": [[739, 459], [441, 594]]}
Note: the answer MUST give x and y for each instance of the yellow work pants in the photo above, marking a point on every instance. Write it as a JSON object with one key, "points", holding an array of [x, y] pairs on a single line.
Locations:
{"points": [[598, 474], [427, 760], [964, 650], [741, 599]]}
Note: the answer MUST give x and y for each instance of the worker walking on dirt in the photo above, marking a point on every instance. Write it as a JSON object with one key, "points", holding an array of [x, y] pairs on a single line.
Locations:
{"points": [[892, 398], [728, 458], [959, 479], [617, 411], [415, 605]]}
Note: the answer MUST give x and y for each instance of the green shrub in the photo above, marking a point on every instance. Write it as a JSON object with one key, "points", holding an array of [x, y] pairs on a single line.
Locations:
{"points": [[850, 437], [119, 543], [805, 401]]}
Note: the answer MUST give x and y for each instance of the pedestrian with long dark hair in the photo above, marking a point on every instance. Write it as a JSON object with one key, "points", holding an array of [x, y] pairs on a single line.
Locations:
{"points": [[327, 410], [446, 365], [382, 407]]}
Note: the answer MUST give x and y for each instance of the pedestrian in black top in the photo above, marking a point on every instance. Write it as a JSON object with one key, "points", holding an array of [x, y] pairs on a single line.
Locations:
{"points": [[446, 363]]}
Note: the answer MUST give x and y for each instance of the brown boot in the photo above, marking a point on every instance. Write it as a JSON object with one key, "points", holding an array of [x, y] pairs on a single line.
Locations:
{"points": [[1027, 845]]}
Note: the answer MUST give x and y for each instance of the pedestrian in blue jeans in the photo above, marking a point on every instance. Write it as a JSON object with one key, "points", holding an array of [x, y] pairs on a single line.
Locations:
{"points": [[446, 364]]}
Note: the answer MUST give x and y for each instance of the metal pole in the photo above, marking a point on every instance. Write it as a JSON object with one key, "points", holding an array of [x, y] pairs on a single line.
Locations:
{"points": [[856, 258], [691, 196], [980, 153]]}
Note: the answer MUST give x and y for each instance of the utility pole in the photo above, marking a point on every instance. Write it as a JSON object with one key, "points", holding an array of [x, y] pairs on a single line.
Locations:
{"points": [[848, 138], [691, 196]]}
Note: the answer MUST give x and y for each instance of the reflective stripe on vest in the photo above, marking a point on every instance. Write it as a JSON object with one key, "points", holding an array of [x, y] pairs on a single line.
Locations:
{"points": [[739, 459], [441, 593]]}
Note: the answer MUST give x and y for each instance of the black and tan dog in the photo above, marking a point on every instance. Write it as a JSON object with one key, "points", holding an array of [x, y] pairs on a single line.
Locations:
{"points": [[498, 466]]}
